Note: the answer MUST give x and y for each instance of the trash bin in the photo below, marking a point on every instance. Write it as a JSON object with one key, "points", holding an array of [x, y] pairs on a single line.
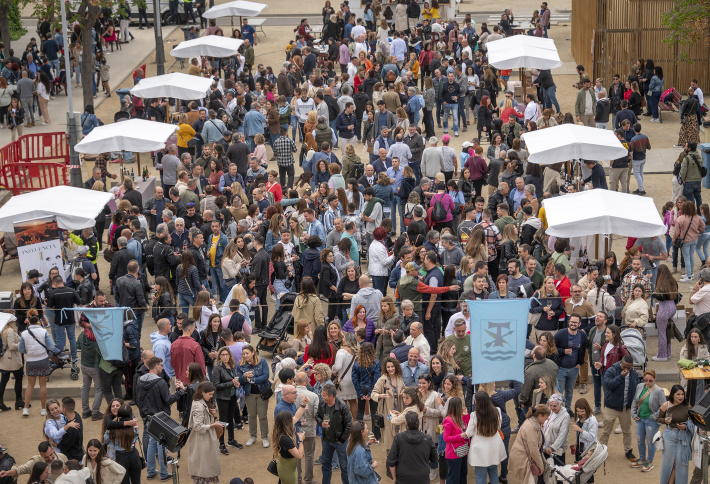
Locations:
{"points": [[705, 152]]}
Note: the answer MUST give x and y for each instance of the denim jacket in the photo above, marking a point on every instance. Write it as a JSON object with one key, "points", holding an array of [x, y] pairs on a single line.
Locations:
{"points": [[260, 378]]}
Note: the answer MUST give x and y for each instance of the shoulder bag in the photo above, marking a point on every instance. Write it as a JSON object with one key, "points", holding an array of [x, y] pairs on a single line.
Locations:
{"points": [[337, 379], [678, 243], [53, 358], [461, 450], [271, 468], [534, 468]]}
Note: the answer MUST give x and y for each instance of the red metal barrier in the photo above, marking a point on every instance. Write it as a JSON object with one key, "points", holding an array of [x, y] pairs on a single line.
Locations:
{"points": [[34, 162]]}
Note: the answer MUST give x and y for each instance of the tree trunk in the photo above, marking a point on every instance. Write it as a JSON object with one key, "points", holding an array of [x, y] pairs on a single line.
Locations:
{"points": [[5, 26], [87, 68]]}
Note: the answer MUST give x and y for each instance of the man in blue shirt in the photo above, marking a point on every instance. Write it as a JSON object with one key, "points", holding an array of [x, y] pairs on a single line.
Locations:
{"points": [[412, 368], [248, 32], [254, 123], [50, 48], [314, 226], [395, 174], [571, 347]]}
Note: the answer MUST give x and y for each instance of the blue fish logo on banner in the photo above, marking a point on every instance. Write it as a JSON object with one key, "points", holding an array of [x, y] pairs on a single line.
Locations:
{"points": [[107, 325], [498, 333]]}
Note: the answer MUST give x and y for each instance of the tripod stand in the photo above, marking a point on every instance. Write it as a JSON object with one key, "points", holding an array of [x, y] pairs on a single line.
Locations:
{"points": [[173, 462]]}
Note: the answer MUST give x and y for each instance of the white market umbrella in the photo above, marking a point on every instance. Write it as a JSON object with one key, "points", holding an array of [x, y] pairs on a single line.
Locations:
{"points": [[133, 135], [207, 46], [572, 142], [599, 211], [176, 85], [240, 8], [524, 52], [74, 208]]}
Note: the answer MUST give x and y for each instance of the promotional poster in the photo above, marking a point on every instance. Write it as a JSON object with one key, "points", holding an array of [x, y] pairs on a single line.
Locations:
{"points": [[39, 246]]}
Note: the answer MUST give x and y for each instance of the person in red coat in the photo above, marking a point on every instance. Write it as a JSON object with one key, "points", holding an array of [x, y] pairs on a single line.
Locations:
{"points": [[186, 350]]}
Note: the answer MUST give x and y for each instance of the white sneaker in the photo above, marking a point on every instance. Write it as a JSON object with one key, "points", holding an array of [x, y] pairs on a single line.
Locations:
{"points": [[25, 412], [251, 441], [658, 358], [43, 412], [265, 443], [618, 429], [685, 278], [433, 474]]}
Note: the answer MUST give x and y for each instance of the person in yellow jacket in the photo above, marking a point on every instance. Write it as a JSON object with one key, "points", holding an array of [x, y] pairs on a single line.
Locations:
{"points": [[184, 134]]}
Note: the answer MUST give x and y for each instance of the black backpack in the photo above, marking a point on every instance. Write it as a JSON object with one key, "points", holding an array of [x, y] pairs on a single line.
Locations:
{"points": [[439, 212], [358, 170], [703, 170], [148, 257]]}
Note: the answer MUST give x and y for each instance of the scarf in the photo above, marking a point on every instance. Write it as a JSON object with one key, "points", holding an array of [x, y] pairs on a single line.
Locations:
{"points": [[438, 380], [371, 205], [337, 273]]}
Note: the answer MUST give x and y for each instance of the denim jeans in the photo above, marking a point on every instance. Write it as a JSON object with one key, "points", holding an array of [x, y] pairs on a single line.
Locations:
{"points": [[393, 213], [673, 450], [691, 191], [219, 288], [645, 430], [504, 463], [454, 110], [438, 113], [330, 448], [597, 380], [688, 250], [77, 70], [186, 301], [416, 167], [490, 472], [294, 126], [702, 246], [54, 64], [280, 287], [61, 338], [380, 282], [458, 470], [551, 98], [155, 450], [565, 384], [638, 172], [655, 99], [462, 111], [332, 126]]}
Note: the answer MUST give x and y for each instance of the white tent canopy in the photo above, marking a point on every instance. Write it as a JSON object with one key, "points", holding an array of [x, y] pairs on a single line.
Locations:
{"points": [[137, 135], [597, 212], [209, 46], [240, 8], [523, 51], [572, 142], [75, 208], [176, 85]]}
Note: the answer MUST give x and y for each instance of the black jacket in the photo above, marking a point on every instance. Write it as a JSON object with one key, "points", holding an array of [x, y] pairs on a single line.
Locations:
{"points": [[411, 453], [164, 260], [615, 96], [153, 395], [119, 264], [328, 277], [260, 267], [508, 251], [200, 260], [544, 79], [210, 342], [130, 292], [163, 307], [135, 197], [72, 444], [340, 420], [222, 379]]}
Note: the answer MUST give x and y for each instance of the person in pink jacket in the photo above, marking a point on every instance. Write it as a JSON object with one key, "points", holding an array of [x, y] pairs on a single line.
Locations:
{"points": [[455, 437]]}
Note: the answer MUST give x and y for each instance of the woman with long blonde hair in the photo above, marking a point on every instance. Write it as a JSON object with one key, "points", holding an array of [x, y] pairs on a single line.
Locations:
{"points": [[253, 374]]}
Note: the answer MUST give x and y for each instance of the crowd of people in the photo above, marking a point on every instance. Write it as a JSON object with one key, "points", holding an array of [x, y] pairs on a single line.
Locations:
{"points": [[380, 352]]}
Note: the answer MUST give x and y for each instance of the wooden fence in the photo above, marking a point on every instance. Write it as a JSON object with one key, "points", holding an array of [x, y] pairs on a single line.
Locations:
{"points": [[608, 36]]}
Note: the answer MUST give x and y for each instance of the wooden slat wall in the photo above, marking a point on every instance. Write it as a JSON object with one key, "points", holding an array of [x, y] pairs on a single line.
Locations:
{"points": [[625, 30]]}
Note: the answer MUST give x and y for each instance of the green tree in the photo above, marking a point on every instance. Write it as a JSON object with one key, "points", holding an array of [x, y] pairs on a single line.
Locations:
{"points": [[688, 21], [10, 24]]}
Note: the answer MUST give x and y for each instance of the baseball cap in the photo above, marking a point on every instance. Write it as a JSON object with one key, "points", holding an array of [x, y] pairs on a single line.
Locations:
{"points": [[446, 138], [705, 274], [33, 273], [411, 266], [466, 144], [83, 249]]}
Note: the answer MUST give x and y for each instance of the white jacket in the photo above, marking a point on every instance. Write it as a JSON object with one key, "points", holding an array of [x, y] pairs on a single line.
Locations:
{"points": [[378, 260]]}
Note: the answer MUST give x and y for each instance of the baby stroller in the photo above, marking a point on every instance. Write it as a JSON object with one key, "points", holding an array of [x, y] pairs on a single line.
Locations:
{"points": [[572, 476], [635, 341], [279, 325], [62, 360]]}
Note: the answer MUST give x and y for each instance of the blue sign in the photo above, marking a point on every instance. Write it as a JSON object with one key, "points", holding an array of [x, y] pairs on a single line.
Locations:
{"points": [[498, 333]]}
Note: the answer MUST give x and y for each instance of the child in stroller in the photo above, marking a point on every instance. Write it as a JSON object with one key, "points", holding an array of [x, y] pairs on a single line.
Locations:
{"points": [[581, 471]]}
